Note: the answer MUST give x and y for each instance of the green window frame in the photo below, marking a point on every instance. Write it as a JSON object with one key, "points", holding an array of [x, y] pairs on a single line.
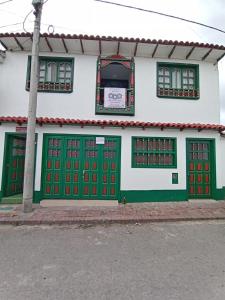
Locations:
{"points": [[55, 74], [154, 152], [127, 63], [177, 80]]}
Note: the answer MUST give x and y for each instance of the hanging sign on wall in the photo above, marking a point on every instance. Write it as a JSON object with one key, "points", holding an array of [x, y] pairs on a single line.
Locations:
{"points": [[114, 97], [100, 140]]}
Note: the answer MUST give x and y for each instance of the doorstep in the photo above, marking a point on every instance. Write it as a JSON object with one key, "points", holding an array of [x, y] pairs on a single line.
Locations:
{"points": [[202, 201], [79, 203]]}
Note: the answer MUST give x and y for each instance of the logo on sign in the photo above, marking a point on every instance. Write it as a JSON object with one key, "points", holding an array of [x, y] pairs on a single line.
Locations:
{"points": [[114, 97]]}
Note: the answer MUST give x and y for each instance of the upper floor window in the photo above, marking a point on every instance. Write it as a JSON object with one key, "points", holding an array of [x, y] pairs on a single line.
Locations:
{"points": [[115, 86], [177, 81], [55, 74]]}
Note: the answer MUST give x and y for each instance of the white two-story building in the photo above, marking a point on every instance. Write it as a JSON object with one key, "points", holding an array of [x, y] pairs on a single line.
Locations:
{"points": [[117, 118]]}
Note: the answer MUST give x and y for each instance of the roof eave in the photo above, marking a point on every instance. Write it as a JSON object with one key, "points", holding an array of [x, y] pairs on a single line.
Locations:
{"points": [[112, 123]]}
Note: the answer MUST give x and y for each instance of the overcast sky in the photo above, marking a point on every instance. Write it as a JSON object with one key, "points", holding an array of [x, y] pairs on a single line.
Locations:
{"points": [[90, 17]]}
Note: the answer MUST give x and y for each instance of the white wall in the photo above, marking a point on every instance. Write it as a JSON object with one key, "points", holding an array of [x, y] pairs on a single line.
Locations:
{"points": [[135, 178], [81, 103]]}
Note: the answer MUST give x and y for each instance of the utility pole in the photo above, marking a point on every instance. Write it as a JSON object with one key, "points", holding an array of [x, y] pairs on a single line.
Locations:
{"points": [[28, 186]]}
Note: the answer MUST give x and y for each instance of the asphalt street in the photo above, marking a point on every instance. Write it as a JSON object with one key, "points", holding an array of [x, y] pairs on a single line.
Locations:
{"points": [[164, 261]]}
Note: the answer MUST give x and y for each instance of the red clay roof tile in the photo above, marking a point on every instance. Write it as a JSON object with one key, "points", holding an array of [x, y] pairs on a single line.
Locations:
{"points": [[113, 38], [61, 121]]}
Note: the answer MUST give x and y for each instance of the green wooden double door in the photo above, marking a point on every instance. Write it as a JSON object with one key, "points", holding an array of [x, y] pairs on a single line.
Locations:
{"points": [[200, 168], [81, 167], [14, 165]]}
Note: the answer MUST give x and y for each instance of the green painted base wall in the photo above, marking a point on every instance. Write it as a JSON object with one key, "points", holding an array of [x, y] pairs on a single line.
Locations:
{"points": [[14, 199], [153, 196], [37, 197], [136, 196], [162, 195], [219, 194]]}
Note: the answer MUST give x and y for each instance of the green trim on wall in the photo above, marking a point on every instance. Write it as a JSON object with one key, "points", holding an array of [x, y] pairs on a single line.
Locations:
{"points": [[153, 196], [219, 194], [18, 199], [138, 196], [15, 199], [37, 196]]}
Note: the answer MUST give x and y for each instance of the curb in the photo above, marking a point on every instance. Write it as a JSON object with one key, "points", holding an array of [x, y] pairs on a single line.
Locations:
{"points": [[95, 222]]}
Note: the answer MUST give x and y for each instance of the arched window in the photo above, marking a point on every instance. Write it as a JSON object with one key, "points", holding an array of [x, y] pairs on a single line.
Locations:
{"points": [[115, 86]]}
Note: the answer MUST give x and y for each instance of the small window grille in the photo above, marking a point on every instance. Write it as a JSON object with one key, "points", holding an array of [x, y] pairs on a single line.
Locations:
{"points": [[153, 152]]}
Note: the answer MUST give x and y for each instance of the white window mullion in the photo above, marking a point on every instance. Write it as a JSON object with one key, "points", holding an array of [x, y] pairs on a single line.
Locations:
{"points": [[176, 79]]}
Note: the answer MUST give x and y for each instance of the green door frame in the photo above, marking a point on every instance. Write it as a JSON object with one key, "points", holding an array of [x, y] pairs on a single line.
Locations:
{"points": [[44, 145], [213, 164], [6, 145]]}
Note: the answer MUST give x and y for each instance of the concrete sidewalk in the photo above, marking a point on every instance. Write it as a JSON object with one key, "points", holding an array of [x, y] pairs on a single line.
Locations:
{"points": [[128, 213]]}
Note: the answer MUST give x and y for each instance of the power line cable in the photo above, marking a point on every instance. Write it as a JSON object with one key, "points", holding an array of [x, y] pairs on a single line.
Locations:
{"points": [[11, 25], [11, 13], [5, 2], [58, 26], [22, 43], [28, 16], [26, 19], [23, 26], [162, 14]]}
